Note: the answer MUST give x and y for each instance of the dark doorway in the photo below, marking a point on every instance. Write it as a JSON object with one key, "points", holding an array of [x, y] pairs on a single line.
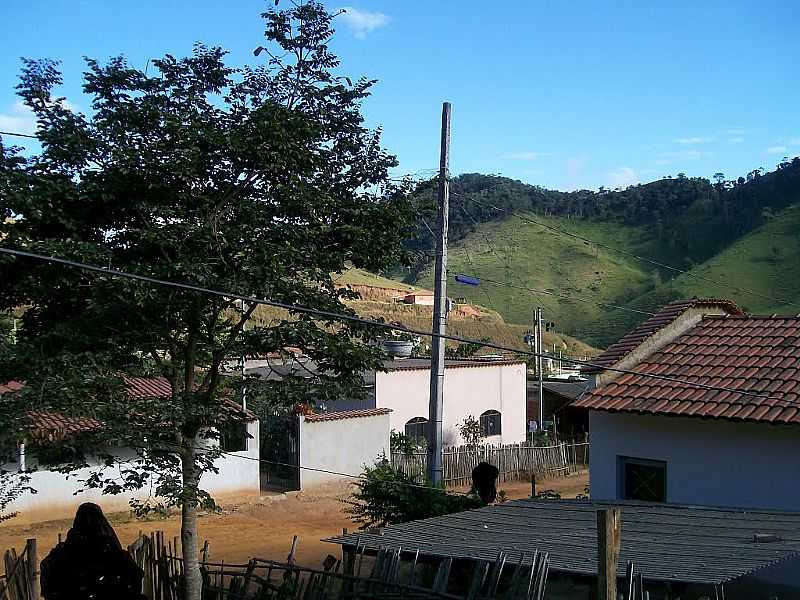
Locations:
{"points": [[280, 453]]}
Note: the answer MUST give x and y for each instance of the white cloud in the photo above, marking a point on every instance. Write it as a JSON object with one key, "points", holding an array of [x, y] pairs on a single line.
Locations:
{"points": [[776, 149], [793, 142], [737, 131], [736, 140], [526, 155], [622, 178], [362, 22], [19, 119], [692, 141], [668, 158]]}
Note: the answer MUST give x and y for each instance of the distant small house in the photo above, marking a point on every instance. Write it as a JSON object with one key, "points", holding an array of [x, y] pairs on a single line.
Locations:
{"points": [[419, 298], [570, 422], [734, 442]]}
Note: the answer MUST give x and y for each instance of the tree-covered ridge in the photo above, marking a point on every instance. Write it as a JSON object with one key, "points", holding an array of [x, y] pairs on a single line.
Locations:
{"points": [[690, 218]]}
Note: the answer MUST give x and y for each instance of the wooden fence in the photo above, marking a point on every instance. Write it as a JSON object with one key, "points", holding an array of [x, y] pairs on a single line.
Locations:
{"points": [[388, 575], [514, 461], [21, 578]]}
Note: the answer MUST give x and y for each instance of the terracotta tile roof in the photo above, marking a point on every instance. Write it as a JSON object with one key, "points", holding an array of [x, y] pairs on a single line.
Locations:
{"points": [[348, 414], [46, 424], [759, 355], [619, 349], [11, 386], [416, 364]]}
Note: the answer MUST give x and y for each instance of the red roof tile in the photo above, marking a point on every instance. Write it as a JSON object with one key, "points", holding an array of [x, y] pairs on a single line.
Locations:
{"points": [[49, 423], [743, 353], [618, 350]]}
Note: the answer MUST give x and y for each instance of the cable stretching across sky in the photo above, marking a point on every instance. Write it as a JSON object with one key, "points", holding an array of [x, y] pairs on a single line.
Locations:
{"points": [[355, 319]]}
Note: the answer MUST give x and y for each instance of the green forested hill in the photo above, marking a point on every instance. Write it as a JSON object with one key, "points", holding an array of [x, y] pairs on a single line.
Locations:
{"points": [[744, 233], [529, 256]]}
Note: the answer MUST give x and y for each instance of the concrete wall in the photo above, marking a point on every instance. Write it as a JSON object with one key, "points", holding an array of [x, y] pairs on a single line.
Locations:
{"points": [[56, 499], [468, 391], [341, 445], [709, 462]]}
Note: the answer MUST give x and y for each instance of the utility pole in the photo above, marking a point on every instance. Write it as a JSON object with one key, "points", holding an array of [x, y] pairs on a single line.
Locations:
{"points": [[439, 308], [539, 364]]}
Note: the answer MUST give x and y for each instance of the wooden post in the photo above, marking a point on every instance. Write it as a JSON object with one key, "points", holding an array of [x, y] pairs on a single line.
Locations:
{"points": [[33, 569], [533, 485], [609, 523]]}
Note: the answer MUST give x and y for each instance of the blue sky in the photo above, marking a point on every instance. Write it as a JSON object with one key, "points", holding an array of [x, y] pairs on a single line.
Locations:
{"points": [[561, 94]]}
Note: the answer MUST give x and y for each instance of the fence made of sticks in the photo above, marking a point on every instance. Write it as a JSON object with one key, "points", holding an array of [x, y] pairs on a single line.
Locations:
{"points": [[513, 461], [20, 581], [387, 575]]}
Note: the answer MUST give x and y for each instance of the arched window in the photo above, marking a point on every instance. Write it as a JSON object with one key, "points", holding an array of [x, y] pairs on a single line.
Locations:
{"points": [[415, 428], [490, 423]]}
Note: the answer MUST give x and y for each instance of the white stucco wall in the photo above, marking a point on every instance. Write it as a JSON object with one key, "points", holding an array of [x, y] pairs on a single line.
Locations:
{"points": [[341, 445], [468, 391], [56, 497], [709, 462]]}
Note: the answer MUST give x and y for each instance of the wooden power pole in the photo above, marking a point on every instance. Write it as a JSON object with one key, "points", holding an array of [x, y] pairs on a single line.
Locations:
{"points": [[439, 308], [609, 523]]}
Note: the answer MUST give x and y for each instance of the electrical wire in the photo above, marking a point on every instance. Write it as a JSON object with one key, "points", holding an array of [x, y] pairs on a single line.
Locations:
{"points": [[535, 290], [319, 470], [298, 308], [24, 135]]}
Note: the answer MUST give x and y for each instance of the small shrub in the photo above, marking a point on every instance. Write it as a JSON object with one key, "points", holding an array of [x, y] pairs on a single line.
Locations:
{"points": [[385, 497], [471, 432]]}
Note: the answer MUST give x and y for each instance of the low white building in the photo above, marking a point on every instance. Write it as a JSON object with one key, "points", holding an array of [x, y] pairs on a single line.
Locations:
{"points": [[732, 443], [491, 391], [58, 496]]}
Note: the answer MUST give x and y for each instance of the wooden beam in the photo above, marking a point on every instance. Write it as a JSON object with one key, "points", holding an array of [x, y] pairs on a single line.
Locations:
{"points": [[609, 523]]}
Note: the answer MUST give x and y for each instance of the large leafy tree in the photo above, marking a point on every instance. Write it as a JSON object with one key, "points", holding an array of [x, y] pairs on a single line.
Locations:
{"points": [[262, 180]]}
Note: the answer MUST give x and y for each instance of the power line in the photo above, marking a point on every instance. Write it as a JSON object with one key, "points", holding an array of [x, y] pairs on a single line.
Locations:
{"points": [[633, 255], [319, 470], [566, 297], [297, 308], [24, 135]]}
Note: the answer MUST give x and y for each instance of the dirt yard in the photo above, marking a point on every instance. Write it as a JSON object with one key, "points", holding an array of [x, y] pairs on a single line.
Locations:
{"points": [[262, 529]]}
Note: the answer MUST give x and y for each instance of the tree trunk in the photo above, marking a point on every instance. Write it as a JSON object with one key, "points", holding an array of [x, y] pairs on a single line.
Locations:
{"points": [[191, 565]]}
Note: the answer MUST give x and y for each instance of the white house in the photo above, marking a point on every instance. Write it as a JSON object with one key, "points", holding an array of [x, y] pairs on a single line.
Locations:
{"points": [[238, 474], [492, 391], [658, 440]]}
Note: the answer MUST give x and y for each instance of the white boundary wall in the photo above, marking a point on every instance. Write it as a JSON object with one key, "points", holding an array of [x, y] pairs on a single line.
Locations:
{"points": [[341, 442]]}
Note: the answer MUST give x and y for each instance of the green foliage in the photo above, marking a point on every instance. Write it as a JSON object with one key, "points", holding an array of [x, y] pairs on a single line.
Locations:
{"points": [[471, 431], [677, 221], [465, 350], [262, 181], [385, 497], [548, 495], [12, 486], [400, 442]]}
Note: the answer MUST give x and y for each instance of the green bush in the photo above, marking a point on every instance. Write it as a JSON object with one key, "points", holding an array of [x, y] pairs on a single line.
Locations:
{"points": [[385, 497]]}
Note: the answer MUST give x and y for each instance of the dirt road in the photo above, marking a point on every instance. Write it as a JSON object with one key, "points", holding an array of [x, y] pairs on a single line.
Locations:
{"points": [[262, 529]]}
